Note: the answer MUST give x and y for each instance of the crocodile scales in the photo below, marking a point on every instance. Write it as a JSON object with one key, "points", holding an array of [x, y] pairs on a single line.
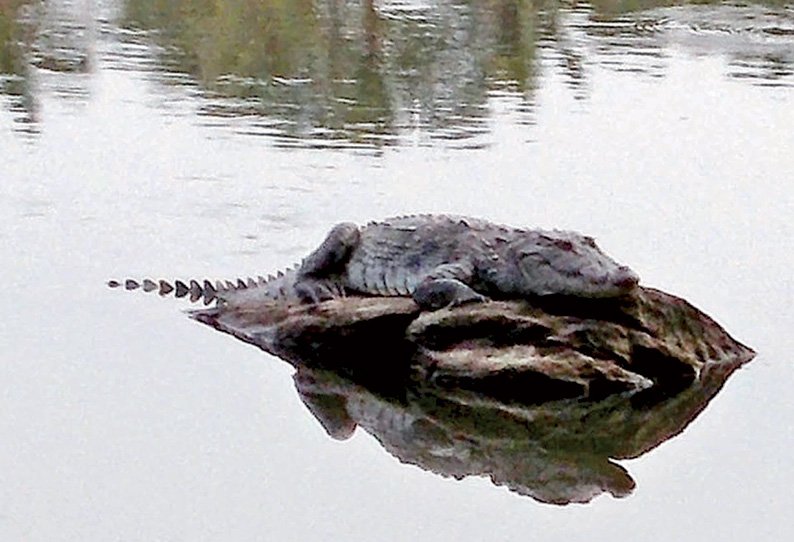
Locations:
{"points": [[439, 260]]}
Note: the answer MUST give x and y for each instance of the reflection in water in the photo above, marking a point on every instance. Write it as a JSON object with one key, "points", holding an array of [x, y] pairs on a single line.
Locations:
{"points": [[39, 40], [541, 396], [756, 39], [330, 73], [342, 70], [561, 452], [14, 72], [347, 72]]}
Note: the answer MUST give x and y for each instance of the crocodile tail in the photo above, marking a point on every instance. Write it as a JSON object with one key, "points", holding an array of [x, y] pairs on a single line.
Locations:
{"points": [[195, 290], [280, 286]]}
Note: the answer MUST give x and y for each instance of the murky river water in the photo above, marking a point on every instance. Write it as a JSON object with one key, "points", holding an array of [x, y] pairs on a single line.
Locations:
{"points": [[667, 133]]}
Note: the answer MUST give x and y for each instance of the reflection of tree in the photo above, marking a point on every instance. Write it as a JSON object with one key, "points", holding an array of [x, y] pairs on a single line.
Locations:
{"points": [[329, 72], [321, 71], [767, 69], [14, 73], [52, 38], [11, 61], [516, 37], [332, 69], [634, 35], [631, 6]]}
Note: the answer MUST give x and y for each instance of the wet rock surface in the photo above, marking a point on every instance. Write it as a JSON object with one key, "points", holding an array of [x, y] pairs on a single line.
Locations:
{"points": [[522, 351]]}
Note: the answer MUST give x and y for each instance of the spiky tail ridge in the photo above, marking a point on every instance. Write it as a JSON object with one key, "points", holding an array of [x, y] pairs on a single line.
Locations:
{"points": [[273, 287]]}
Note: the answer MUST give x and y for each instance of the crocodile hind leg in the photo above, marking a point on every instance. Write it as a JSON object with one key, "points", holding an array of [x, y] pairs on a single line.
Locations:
{"points": [[447, 286], [318, 276]]}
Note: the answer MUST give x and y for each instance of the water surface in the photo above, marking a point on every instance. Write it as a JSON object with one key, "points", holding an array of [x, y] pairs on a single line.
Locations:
{"points": [[158, 139]]}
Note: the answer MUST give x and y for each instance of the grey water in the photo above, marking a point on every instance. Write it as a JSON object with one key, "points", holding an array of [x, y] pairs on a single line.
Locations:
{"points": [[163, 139]]}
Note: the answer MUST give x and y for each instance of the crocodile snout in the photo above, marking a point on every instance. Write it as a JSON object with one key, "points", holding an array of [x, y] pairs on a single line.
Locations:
{"points": [[626, 278]]}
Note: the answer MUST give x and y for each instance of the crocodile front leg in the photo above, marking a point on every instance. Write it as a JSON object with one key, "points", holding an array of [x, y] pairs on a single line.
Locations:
{"points": [[318, 276], [447, 286]]}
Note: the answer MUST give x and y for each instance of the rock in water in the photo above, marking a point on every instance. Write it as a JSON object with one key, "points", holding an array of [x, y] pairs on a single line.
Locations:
{"points": [[541, 396], [513, 350]]}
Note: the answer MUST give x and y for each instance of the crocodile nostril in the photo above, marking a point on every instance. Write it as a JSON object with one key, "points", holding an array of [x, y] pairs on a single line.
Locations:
{"points": [[627, 278]]}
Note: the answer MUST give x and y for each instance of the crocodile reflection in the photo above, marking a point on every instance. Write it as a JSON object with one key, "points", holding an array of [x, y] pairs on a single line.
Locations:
{"points": [[559, 452], [543, 397]]}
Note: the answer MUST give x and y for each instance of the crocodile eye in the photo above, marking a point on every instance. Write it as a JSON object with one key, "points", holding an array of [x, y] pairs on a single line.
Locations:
{"points": [[533, 254], [563, 245]]}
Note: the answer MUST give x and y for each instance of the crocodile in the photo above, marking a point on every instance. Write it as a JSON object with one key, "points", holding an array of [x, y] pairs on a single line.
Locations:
{"points": [[439, 260]]}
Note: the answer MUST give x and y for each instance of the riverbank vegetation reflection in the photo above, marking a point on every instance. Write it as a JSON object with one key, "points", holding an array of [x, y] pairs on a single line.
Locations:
{"points": [[355, 72]]}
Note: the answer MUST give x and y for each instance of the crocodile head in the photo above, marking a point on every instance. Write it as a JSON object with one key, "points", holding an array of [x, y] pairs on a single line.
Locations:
{"points": [[568, 263]]}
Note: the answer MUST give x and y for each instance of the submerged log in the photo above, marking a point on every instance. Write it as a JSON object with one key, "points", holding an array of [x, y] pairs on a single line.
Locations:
{"points": [[542, 396]]}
